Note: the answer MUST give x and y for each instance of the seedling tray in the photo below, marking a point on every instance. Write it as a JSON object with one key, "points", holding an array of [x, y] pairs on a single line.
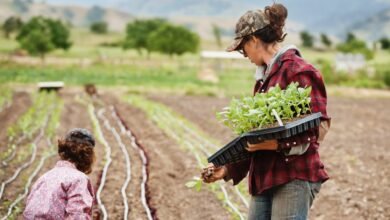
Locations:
{"points": [[235, 150]]}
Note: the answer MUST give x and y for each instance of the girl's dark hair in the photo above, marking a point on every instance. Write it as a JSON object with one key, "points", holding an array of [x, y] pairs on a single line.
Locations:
{"points": [[81, 154], [273, 32]]}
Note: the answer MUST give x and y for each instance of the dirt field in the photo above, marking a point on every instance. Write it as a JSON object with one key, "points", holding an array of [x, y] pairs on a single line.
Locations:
{"points": [[354, 155]]}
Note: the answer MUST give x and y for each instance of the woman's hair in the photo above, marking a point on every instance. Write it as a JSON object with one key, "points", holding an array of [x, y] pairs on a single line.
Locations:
{"points": [[79, 153], [276, 14]]}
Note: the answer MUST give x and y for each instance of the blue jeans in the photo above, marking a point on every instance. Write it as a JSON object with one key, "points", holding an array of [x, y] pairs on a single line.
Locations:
{"points": [[289, 201]]}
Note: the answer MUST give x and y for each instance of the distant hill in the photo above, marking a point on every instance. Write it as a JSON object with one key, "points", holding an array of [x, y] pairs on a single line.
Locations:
{"points": [[374, 27], [368, 18], [76, 15], [333, 17]]}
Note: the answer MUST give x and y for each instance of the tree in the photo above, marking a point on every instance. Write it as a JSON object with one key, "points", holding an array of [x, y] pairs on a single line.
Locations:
{"points": [[138, 31], [217, 35], [60, 34], [173, 40], [12, 24], [350, 37], [325, 40], [355, 45], [385, 43], [41, 35], [99, 27], [307, 39]]}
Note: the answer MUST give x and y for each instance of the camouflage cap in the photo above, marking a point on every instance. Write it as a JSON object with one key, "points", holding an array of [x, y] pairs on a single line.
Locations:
{"points": [[248, 24], [80, 135]]}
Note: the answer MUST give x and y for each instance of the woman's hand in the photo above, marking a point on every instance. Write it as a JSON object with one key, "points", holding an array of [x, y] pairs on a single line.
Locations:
{"points": [[265, 145], [211, 173]]}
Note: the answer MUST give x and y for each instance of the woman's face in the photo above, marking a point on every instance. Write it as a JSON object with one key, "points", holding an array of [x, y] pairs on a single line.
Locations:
{"points": [[253, 50]]}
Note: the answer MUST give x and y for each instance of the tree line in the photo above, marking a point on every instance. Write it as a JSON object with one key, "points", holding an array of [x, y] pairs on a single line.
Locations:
{"points": [[40, 35], [351, 44]]}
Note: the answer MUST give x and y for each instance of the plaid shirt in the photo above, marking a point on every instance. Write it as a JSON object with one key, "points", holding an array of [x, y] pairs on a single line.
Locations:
{"points": [[270, 168]]}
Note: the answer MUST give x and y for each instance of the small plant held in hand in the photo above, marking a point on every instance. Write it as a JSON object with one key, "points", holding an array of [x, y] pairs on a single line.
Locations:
{"points": [[196, 183], [252, 113]]}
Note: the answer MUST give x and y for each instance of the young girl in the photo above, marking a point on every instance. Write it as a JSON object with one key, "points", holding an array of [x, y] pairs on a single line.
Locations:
{"points": [[65, 192]]}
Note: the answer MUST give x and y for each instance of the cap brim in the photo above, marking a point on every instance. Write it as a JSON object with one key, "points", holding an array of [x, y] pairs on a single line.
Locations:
{"points": [[233, 46]]}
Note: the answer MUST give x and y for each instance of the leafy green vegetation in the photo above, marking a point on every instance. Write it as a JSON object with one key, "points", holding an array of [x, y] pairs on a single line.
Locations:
{"points": [[100, 27], [170, 78], [255, 112], [160, 36], [11, 25], [325, 40], [41, 35], [307, 39], [99, 59], [354, 45], [138, 32], [385, 43], [5, 96], [29, 123], [177, 40]]}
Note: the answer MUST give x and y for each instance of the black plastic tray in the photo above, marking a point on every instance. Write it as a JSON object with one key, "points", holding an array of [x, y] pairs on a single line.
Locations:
{"points": [[235, 150]]}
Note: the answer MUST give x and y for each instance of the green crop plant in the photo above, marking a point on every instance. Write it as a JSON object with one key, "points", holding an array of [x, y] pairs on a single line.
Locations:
{"points": [[5, 97], [255, 112], [189, 136]]}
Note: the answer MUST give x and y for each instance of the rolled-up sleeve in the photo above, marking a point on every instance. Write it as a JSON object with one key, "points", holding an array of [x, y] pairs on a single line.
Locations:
{"points": [[237, 171]]}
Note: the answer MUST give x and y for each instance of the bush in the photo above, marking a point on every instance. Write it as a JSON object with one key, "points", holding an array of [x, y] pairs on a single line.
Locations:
{"points": [[99, 27], [307, 39], [385, 43], [365, 83], [12, 24], [329, 74], [386, 78], [138, 31], [356, 46], [173, 40], [41, 35]]}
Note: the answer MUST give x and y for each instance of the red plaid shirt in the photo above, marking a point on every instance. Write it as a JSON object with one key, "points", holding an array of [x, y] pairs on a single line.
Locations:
{"points": [[270, 168]]}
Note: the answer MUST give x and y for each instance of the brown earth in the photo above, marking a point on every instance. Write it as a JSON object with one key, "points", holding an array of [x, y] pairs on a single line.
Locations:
{"points": [[355, 152], [8, 116], [116, 175], [170, 168]]}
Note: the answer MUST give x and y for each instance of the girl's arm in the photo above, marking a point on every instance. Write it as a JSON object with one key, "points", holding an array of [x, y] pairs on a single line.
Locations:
{"points": [[80, 199]]}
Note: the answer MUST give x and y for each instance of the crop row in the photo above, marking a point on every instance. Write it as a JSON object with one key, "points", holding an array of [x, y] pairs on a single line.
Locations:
{"points": [[192, 139], [27, 172], [5, 97], [99, 119]]}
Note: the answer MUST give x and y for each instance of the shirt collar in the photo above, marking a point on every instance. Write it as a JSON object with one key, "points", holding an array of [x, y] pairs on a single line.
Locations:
{"points": [[282, 54], [65, 163]]}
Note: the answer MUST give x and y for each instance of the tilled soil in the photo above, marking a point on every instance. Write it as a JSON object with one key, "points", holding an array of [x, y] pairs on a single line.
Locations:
{"points": [[16, 188], [20, 103], [117, 172], [170, 168], [354, 152], [73, 115], [19, 169]]}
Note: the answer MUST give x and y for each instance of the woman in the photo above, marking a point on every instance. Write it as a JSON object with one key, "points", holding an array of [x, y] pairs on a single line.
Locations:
{"points": [[283, 175], [65, 192]]}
